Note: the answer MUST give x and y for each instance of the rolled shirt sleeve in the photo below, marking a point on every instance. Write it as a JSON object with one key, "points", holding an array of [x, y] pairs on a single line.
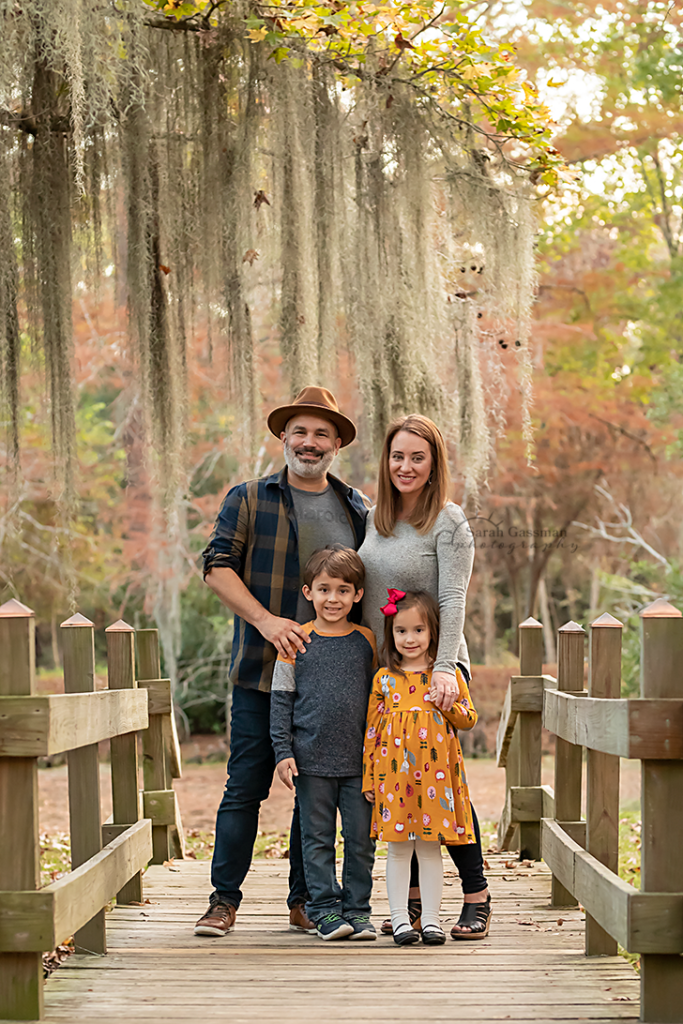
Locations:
{"points": [[227, 545]]}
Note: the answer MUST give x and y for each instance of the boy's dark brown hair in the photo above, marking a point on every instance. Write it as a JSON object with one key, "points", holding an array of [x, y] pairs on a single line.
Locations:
{"points": [[430, 610], [337, 561]]}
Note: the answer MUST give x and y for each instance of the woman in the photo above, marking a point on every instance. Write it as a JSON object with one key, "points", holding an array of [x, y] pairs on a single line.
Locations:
{"points": [[417, 539]]}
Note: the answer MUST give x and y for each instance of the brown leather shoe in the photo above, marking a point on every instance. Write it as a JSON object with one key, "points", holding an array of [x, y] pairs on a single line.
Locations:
{"points": [[218, 920], [299, 922]]}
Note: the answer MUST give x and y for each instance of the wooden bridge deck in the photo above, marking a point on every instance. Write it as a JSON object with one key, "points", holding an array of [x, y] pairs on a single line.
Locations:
{"points": [[531, 968]]}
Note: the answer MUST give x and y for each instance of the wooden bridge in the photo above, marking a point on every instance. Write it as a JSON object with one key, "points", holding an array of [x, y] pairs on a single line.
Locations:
{"points": [[543, 961]]}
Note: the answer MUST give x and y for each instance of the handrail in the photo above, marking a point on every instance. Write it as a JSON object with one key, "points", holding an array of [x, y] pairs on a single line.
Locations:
{"points": [[583, 855], [107, 859]]}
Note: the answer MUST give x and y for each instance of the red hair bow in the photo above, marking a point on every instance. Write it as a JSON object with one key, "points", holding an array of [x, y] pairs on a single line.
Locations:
{"points": [[394, 596]]}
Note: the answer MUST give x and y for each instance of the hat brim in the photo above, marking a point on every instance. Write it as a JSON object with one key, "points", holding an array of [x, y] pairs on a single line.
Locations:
{"points": [[279, 418]]}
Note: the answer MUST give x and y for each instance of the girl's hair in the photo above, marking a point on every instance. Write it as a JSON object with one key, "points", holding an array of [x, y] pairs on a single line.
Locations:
{"points": [[430, 611], [435, 494]]}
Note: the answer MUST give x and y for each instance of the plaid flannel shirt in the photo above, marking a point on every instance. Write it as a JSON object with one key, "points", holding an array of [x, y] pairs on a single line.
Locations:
{"points": [[256, 536]]}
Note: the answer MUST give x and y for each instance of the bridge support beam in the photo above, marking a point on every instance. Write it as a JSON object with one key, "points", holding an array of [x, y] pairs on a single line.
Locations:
{"points": [[529, 734], [21, 974], [661, 976], [602, 771], [570, 660]]}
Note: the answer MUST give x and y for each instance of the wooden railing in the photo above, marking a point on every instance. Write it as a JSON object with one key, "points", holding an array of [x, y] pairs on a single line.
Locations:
{"points": [[583, 855], [107, 859]]}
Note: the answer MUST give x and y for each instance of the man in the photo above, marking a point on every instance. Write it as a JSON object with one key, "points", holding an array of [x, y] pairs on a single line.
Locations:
{"points": [[265, 533]]}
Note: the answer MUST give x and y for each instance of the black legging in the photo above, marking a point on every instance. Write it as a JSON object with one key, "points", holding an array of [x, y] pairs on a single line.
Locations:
{"points": [[468, 860]]}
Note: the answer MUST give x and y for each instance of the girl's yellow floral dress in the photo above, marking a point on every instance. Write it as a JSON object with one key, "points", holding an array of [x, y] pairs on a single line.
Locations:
{"points": [[413, 763]]}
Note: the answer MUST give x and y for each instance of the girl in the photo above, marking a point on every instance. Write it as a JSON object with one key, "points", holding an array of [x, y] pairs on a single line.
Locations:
{"points": [[413, 769]]}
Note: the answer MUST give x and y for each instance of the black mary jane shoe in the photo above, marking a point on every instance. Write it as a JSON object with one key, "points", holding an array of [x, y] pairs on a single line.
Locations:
{"points": [[432, 935], [406, 936], [414, 912], [476, 916]]}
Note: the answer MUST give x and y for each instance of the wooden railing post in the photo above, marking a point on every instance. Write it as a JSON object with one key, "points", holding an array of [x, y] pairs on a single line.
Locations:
{"points": [[124, 749], [85, 816], [570, 660], [529, 731], [661, 975], [21, 974], [155, 761], [602, 771]]}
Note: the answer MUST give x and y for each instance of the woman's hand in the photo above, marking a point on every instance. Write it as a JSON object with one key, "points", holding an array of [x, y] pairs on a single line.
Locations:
{"points": [[369, 795], [445, 690]]}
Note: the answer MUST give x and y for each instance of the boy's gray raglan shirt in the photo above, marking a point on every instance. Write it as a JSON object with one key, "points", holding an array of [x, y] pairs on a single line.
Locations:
{"points": [[319, 703]]}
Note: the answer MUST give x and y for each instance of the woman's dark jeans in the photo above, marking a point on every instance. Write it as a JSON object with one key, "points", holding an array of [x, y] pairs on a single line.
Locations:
{"points": [[250, 774], [467, 858]]}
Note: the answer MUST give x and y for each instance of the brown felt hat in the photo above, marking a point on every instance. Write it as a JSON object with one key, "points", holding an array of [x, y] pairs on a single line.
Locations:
{"points": [[319, 402]]}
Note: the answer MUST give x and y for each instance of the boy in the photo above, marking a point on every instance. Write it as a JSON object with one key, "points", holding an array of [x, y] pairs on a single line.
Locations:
{"points": [[318, 708]]}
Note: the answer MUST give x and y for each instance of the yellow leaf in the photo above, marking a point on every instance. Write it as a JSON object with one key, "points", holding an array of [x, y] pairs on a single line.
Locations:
{"points": [[553, 84], [475, 71], [257, 35]]}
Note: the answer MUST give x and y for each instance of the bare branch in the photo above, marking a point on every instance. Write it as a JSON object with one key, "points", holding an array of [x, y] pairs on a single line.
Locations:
{"points": [[621, 529]]}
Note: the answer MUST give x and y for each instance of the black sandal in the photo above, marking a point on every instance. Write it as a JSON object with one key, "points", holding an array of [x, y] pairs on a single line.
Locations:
{"points": [[414, 913], [476, 916]]}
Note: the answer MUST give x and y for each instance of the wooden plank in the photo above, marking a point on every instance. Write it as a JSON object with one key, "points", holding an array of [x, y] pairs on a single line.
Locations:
{"points": [[155, 753], [159, 693], [505, 728], [160, 806], [85, 815], [124, 749], [530, 726], [526, 803], [53, 723], [526, 692], [558, 851], [635, 728], [531, 968], [21, 972], [661, 979], [567, 786], [641, 922], [602, 771], [38, 921], [523, 694]]}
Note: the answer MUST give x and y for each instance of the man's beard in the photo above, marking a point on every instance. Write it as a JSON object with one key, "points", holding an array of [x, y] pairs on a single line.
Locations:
{"points": [[308, 470]]}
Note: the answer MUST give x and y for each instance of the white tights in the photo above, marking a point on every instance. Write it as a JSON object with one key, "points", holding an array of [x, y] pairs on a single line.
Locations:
{"points": [[398, 880]]}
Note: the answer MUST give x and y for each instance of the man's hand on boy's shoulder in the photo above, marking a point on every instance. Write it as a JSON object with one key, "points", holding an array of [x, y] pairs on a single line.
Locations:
{"points": [[287, 771], [287, 635]]}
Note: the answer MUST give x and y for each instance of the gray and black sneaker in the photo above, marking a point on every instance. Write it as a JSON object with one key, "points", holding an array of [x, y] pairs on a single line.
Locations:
{"points": [[362, 927], [333, 926]]}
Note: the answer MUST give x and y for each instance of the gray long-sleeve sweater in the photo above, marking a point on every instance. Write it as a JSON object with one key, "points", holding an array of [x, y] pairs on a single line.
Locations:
{"points": [[439, 562], [319, 702]]}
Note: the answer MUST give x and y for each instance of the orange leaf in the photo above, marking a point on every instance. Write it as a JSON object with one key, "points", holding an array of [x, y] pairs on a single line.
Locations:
{"points": [[249, 257], [166, 270]]}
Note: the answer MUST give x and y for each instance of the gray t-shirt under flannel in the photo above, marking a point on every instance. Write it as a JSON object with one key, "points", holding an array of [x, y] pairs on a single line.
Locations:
{"points": [[321, 520], [319, 702]]}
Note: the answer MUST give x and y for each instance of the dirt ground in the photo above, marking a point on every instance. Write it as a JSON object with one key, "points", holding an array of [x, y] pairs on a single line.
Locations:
{"points": [[201, 788]]}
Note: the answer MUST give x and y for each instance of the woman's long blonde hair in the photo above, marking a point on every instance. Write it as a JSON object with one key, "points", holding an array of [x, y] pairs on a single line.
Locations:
{"points": [[435, 494]]}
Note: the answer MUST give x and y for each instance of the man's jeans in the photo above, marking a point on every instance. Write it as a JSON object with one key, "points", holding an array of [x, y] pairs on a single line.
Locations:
{"points": [[319, 799], [250, 770]]}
